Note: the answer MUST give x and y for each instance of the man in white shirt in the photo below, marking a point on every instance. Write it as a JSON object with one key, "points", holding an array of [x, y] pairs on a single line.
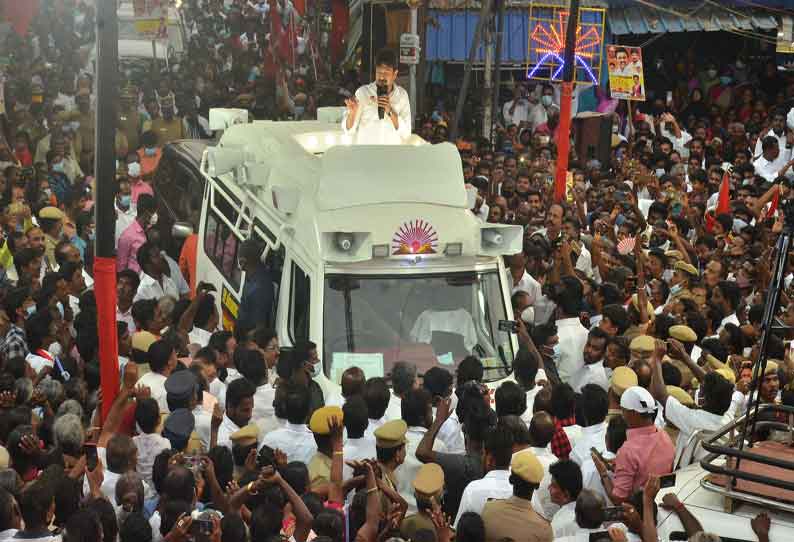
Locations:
{"points": [[539, 114], [162, 362], [773, 158], [777, 130], [418, 415], [570, 331], [593, 371], [727, 296], [403, 380], [380, 112], [294, 439], [239, 410], [541, 431], [593, 408], [358, 446], [496, 482], [565, 486], [377, 396], [438, 382], [519, 280], [516, 110], [155, 283]]}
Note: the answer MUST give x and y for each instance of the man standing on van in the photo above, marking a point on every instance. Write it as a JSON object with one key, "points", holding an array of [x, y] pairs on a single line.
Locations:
{"points": [[256, 302], [380, 112]]}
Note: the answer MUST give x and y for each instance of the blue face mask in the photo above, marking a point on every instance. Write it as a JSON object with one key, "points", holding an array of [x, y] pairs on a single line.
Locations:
{"points": [[725, 80], [30, 310], [58, 167], [150, 151], [125, 200]]}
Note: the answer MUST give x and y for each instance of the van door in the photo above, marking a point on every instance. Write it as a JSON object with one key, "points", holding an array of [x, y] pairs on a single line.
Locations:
{"points": [[295, 305]]}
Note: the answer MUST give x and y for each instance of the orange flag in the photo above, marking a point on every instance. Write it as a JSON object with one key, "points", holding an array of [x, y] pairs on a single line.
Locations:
{"points": [[724, 201]]}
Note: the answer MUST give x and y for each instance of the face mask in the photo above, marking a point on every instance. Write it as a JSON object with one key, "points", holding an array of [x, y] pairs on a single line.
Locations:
{"points": [[659, 172], [91, 236], [675, 289], [528, 315], [60, 308], [124, 201], [153, 220], [615, 128], [544, 139], [58, 167], [134, 169], [712, 73], [556, 354], [30, 311], [47, 192], [55, 349], [546, 101], [150, 151], [725, 80]]}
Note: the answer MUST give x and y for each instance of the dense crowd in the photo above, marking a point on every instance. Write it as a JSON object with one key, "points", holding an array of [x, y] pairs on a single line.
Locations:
{"points": [[638, 302]]}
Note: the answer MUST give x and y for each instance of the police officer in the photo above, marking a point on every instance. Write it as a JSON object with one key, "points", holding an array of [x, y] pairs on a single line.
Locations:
{"points": [[428, 487]]}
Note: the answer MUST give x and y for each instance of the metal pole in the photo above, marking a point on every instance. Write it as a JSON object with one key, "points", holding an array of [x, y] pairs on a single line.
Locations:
{"points": [[500, 21], [564, 131], [412, 87], [485, 11], [105, 168], [487, 121]]}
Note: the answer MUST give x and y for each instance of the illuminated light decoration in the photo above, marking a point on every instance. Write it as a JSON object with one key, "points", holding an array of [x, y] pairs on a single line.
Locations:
{"points": [[546, 43], [415, 237]]}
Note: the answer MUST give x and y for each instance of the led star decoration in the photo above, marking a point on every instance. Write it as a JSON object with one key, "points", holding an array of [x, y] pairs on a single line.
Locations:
{"points": [[547, 44]]}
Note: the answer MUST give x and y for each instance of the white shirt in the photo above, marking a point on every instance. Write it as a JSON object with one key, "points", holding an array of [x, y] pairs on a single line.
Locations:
{"points": [[573, 336], [594, 373], [494, 485], [151, 289], [123, 220], [520, 113], [526, 417], [203, 427], [573, 432], [590, 437], [406, 473], [393, 411], [688, 420], [374, 424], [108, 487], [156, 383], [781, 141], [356, 449], [730, 319], [526, 284], [149, 446], [294, 440], [264, 415], [225, 432], [37, 363], [368, 128], [176, 275], [541, 498], [199, 336], [564, 521], [451, 435], [457, 321], [769, 170]]}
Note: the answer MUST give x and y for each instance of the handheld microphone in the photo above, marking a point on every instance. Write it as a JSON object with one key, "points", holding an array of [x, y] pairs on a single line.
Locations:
{"points": [[383, 90]]}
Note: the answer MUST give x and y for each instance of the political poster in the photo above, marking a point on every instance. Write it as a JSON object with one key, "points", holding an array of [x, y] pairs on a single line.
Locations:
{"points": [[626, 81]]}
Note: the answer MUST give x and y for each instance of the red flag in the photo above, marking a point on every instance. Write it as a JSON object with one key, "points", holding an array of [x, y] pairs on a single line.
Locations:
{"points": [[773, 204], [710, 220], [724, 201]]}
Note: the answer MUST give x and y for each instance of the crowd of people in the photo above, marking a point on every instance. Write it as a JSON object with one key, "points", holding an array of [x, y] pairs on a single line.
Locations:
{"points": [[638, 302]]}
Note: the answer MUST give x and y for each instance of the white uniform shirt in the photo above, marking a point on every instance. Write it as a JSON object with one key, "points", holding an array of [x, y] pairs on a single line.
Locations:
{"points": [[590, 437], [394, 410], [406, 473], [294, 440], [564, 521], [526, 284], [225, 432], [688, 420], [573, 336], [594, 373], [151, 289], [494, 485], [368, 128], [156, 383], [541, 498]]}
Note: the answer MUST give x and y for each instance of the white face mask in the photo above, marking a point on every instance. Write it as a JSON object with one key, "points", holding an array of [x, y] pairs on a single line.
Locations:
{"points": [[55, 349], [153, 220], [659, 172], [556, 353], [546, 100], [528, 315]]}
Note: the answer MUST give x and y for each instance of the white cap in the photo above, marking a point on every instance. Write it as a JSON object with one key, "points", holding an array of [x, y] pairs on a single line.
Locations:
{"points": [[638, 399], [134, 169]]}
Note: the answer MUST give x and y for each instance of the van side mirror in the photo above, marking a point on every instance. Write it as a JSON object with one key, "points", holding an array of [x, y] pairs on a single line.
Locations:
{"points": [[181, 230]]}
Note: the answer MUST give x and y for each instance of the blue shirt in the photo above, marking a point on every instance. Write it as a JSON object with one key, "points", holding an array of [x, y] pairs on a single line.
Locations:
{"points": [[256, 304]]}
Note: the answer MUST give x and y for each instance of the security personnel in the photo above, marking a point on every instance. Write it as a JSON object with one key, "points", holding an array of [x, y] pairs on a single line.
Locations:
{"points": [[84, 140], [514, 518], [168, 127], [679, 285], [178, 427], [320, 425], [428, 485], [685, 399], [390, 449], [51, 222], [687, 336], [622, 379], [243, 441], [641, 348], [131, 120], [182, 390]]}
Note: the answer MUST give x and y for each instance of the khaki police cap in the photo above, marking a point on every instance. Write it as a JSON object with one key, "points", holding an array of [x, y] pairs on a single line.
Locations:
{"points": [[246, 436], [51, 213], [713, 362], [623, 378], [674, 254], [683, 397], [391, 434], [429, 481], [685, 334], [642, 343], [320, 420], [727, 374], [635, 302], [771, 368], [526, 466], [142, 340], [687, 268]]}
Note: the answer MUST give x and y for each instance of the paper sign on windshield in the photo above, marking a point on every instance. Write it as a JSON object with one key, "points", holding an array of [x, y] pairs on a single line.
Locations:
{"points": [[370, 363]]}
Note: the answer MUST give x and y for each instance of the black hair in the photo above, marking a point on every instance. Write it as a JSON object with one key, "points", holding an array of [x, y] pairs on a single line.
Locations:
{"points": [[296, 474], [616, 433], [296, 403], [14, 299], [618, 316], [204, 311], [179, 484], [437, 381], [355, 416], [6, 510], [107, 517], [610, 293], [159, 354], [671, 375], [525, 367], [233, 529], [330, 523], [499, 445], [470, 528], [251, 364], [415, 406], [147, 414], [511, 400], [143, 312], [146, 204], [83, 526], [717, 393], [377, 396], [387, 57], [568, 296], [35, 500], [470, 368], [37, 329], [715, 348], [731, 292], [135, 528], [568, 475], [145, 253], [563, 401], [237, 391], [592, 405]]}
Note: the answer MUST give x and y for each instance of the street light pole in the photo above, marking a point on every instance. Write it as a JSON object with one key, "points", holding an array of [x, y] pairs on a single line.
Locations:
{"points": [[104, 208], [569, 74]]}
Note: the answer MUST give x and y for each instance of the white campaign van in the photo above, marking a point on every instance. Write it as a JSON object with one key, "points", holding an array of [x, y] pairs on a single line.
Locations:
{"points": [[376, 254]]}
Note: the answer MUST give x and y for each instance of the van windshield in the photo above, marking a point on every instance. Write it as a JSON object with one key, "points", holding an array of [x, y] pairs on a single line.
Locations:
{"points": [[431, 320]]}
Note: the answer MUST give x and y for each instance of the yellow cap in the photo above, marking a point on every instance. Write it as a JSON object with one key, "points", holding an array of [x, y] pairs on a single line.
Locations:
{"points": [[635, 301], [194, 445], [685, 334], [683, 397], [623, 378], [727, 374], [674, 254], [713, 362], [142, 340], [391, 434], [642, 343], [429, 481], [245, 436], [51, 213], [320, 420], [526, 466], [771, 368], [687, 268]]}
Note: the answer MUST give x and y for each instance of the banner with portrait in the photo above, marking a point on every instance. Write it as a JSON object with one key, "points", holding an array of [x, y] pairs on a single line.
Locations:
{"points": [[626, 80]]}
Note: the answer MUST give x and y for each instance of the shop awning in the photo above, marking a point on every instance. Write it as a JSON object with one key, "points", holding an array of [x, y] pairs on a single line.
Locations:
{"points": [[645, 20]]}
